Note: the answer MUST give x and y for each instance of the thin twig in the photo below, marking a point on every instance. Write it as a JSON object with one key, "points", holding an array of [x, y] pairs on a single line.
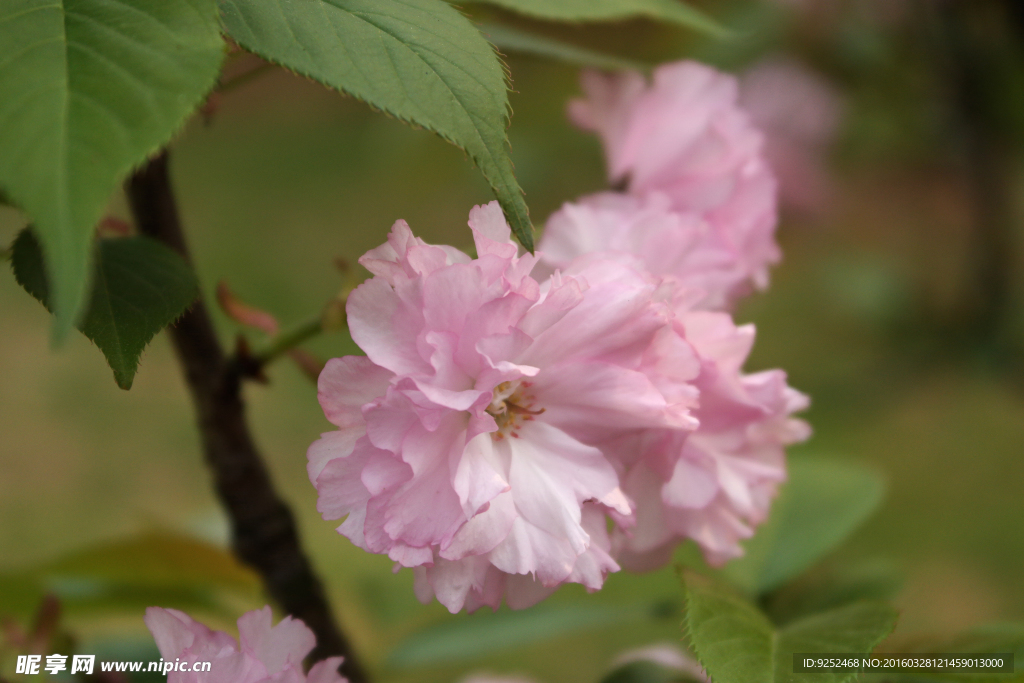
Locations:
{"points": [[264, 534], [285, 341]]}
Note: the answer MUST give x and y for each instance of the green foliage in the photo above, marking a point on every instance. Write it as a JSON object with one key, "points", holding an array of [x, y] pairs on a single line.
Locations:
{"points": [[139, 287], [418, 60], [154, 568], [736, 643], [672, 11], [510, 39], [477, 635], [822, 503], [88, 89], [157, 558], [819, 591]]}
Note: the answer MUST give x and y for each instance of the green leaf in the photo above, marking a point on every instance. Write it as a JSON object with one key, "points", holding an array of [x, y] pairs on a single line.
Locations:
{"points": [[736, 643], [418, 60], [818, 591], [139, 287], [127, 575], [510, 39], [672, 11], [481, 634], [89, 89], [157, 558], [823, 502]]}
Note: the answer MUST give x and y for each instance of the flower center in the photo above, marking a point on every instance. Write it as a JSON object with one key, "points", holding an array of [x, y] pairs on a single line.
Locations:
{"points": [[512, 405]]}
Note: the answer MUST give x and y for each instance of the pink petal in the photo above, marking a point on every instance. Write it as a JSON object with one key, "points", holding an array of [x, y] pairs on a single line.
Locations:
{"points": [[385, 327], [530, 550], [346, 385], [326, 671], [284, 645], [480, 474], [694, 481], [484, 531], [173, 631]]}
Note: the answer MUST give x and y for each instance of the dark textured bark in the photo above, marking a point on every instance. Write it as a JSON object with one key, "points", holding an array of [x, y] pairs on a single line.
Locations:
{"points": [[264, 534]]}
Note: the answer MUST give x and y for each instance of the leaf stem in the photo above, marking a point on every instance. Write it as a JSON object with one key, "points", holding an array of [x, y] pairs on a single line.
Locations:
{"points": [[263, 530], [282, 343]]}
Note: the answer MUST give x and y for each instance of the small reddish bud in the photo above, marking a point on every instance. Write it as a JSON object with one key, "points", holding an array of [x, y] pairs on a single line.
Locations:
{"points": [[243, 313], [113, 227]]}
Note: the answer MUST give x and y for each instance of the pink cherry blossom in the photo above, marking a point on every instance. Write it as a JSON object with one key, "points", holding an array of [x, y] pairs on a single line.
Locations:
{"points": [[263, 653], [715, 484], [476, 439], [672, 243], [799, 113], [685, 136]]}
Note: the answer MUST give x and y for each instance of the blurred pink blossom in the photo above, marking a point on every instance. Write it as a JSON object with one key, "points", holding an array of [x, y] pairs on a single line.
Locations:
{"points": [[799, 113], [476, 439], [685, 135], [263, 653]]}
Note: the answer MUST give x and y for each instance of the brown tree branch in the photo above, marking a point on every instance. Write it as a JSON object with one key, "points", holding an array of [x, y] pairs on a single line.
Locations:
{"points": [[264, 534]]}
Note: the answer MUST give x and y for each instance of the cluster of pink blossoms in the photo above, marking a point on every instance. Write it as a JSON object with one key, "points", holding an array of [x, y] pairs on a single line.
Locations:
{"points": [[519, 422], [266, 654], [685, 151]]}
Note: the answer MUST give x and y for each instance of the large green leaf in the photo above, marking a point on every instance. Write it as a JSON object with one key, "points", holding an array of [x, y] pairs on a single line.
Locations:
{"points": [[418, 60], [673, 11], [736, 643], [88, 89], [821, 504], [139, 287]]}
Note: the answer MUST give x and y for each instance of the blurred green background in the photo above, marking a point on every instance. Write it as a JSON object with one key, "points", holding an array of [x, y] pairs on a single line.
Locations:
{"points": [[870, 312]]}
